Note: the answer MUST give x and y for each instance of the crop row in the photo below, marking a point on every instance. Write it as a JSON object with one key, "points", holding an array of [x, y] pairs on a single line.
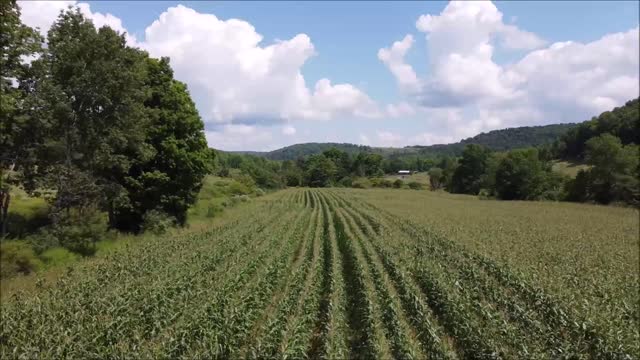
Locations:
{"points": [[302, 274]]}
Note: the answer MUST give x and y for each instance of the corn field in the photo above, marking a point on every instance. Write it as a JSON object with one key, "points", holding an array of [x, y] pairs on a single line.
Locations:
{"points": [[312, 274]]}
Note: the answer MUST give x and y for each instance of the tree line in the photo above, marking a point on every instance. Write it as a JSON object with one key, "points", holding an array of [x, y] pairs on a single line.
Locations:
{"points": [[607, 144], [99, 128]]}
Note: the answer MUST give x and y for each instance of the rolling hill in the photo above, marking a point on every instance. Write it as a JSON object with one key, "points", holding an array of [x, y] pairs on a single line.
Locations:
{"points": [[498, 140]]}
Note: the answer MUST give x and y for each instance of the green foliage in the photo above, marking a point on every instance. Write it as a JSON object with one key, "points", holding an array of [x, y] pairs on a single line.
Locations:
{"points": [[346, 181], [157, 222], [58, 256], [213, 210], [104, 124], [239, 188], [381, 183], [521, 175], [612, 176], [304, 150], [247, 181], [43, 239], [436, 180], [366, 164], [568, 168], [468, 176], [92, 90], [448, 166], [17, 257], [398, 184], [214, 196], [79, 232], [17, 129], [419, 157], [320, 171], [236, 199], [415, 185], [264, 173], [622, 122], [361, 183], [16, 41], [484, 194], [26, 214], [171, 178]]}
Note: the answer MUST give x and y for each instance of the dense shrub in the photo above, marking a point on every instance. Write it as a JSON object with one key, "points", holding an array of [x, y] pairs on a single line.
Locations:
{"points": [[157, 222], [361, 183], [239, 188], [521, 176], [42, 240], [17, 257], [214, 209], [484, 194], [236, 199], [415, 185], [259, 192], [397, 184], [436, 180], [346, 181]]}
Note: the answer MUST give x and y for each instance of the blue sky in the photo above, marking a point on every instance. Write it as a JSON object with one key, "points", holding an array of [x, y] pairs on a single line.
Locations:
{"points": [[467, 79]]}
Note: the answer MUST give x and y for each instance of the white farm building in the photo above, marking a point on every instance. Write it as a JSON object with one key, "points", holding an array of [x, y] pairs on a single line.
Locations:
{"points": [[403, 173]]}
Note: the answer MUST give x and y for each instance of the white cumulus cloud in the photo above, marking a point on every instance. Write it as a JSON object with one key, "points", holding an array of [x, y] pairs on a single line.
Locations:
{"points": [[393, 58], [400, 109], [236, 79], [233, 137], [559, 82], [233, 76], [42, 14], [289, 130]]}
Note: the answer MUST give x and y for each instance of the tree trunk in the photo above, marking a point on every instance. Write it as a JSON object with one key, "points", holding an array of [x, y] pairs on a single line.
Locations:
{"points": [[5, 198]]}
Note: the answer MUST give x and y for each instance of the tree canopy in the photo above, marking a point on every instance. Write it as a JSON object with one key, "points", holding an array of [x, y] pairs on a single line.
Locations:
{"points": [[98, 125]]}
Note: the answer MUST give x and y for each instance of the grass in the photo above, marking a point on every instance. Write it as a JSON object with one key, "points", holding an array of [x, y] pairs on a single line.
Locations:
{"points": [[216, 194], [27, 213], [568, 168], [421, 177], [349, 273]]}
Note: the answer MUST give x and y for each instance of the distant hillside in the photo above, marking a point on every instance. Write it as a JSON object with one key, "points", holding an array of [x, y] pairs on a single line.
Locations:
{"points": [[294, 151], [622, 122], [498, 140], [504, 139]]}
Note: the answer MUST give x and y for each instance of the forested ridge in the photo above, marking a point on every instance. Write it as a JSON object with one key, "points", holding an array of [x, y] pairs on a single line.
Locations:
{"points": [[497, 140]]}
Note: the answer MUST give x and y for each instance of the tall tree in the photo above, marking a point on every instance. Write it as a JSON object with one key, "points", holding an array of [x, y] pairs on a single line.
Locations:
{"points": [[18, 43], [612, 176], [521, 176], [435, 178], [170, 179], [472, 166], [320, 171], [89, 98]]}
